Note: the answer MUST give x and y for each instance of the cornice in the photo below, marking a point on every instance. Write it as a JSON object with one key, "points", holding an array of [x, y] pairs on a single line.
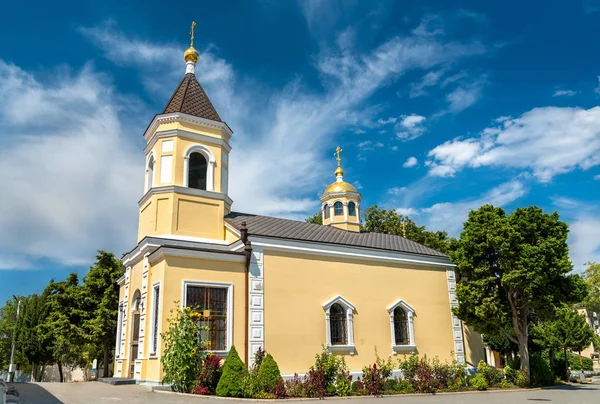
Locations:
{"points": [[180, 116]]}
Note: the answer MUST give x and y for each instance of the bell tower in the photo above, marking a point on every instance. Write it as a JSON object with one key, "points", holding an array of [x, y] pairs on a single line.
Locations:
{"points": [[187, 165], [341, 201]]}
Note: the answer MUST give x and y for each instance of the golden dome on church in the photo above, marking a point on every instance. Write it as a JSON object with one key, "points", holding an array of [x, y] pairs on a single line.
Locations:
{"points": [[341, 186], [191, 54]]}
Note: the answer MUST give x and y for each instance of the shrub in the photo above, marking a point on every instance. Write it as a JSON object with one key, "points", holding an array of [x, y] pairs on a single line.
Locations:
{"points": [[259, 356], [279, 390], [251, 385], [315, 384], [492, 375], [210, 373], [268, 374], [182, 357], [358, 388], [541, 374], [330, 365], [521, 379], [343, 383], [399, 386], [233, 376], [558, 367], [419, 373], [478, 381], [373, 380], [295, 386]]}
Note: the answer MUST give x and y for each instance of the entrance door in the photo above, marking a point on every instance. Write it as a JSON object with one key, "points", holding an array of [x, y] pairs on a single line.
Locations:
{"points": [[135, 340]]}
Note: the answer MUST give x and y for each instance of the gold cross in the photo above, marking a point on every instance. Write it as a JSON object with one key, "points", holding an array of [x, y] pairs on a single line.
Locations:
{"points": [[192, 33], [337, 153]]}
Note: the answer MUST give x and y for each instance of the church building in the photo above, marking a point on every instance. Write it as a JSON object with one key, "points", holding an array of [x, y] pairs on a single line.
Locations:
{"points": [[285, 286]]}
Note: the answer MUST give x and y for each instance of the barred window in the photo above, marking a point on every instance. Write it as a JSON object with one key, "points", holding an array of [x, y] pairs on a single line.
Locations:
{"points": [[155, 319], [337, 324], [338, 209], [401, 336], [211, 304]]}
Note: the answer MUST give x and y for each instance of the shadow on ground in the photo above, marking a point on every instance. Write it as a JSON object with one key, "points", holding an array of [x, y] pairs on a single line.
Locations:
{"points": [[586, 386], [32, 393]]}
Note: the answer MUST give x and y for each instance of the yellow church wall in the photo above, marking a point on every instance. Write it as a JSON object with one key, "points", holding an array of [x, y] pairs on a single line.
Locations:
{"points": [[474, 347], [230, 236], [297, 285]]}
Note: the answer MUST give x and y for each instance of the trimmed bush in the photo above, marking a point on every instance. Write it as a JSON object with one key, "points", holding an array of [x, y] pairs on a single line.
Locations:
{"points": [[478, 382], [268, 374], [234, 373]]}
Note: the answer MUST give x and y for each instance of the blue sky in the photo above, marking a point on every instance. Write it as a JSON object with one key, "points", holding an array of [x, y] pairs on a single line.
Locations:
{"points": [[439, 106]]}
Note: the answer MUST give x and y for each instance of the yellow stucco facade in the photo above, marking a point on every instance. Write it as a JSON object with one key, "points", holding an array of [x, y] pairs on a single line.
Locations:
{"points": [[285, 286]]}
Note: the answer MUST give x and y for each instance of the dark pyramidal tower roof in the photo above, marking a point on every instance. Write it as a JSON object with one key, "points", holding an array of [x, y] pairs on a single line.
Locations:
{"points": [[190, 98]]}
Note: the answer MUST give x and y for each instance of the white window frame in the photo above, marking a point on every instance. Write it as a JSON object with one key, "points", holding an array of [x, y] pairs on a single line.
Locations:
{"points": [[149, 183], [349, 308], [410, 312], [155, 326], [208, 284], [210, 165]]}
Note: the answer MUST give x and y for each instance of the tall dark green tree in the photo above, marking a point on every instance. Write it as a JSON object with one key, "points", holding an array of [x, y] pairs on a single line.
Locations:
{"points": [[568, 330], [513, 267], [391, 222], [317, 218], [64, 324], [592, 278], [33, 342], [101, 300], [9, 327]]}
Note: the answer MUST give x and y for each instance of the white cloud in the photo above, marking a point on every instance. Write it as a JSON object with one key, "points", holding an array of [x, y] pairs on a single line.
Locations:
{"points": [[584, 241], [396, 190], [71, 172], [463, 96], [597, 89], [549, 141], [429, 80], [410, 162], [369, 145], [563, 93], [431, 25], [410, 127], [391, 119], [450, 216], [407, 211]]}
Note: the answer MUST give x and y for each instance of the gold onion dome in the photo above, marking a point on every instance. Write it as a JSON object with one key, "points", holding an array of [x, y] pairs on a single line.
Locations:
{"points": [[191, 54], [342, 186]]}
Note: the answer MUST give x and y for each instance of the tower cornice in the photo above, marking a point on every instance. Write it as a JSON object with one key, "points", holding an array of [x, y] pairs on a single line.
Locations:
{"points": [[182, 117]]}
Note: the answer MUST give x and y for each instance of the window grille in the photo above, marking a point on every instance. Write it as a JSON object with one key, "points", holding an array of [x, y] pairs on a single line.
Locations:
{"points": [[211, 304], [351, 209], [337, 323], [400, 327], [338, 209]]}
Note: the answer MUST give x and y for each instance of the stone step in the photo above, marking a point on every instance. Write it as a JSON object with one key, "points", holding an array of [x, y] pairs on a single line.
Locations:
{"points": [[116, 381]]}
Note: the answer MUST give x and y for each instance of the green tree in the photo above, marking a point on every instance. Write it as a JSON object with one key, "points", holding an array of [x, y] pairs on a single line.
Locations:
{"points": [[511, 267], [317, 218], [101, 300], [568, 330], [391, 222], [64, 323], [32, 341], [9, 327], [592, 278], [231, 382], [268, 374]]}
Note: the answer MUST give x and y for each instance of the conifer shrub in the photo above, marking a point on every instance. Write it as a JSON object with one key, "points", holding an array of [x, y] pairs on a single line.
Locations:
{"points": [[268, 374], [234, 372]]}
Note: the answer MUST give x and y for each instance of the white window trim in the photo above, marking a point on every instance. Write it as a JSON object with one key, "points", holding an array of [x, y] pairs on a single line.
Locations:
{"points": [[150, 174], [229, 287], [153, 323], [118, 350], [210, 167], [350, 348], [411, 346]]}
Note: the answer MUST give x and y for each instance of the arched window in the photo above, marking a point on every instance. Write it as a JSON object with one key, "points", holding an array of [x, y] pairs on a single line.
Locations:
{"points": [[337, 325], [351, 209], [136, 307], [339, 314], [400, 327], [197, 171], [401, 323], [338, 209], [326, 209], [150, 173]]}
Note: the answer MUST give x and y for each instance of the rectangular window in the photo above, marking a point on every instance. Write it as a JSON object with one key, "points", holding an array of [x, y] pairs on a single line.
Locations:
{"points": [[155, 319], [211, 304]]}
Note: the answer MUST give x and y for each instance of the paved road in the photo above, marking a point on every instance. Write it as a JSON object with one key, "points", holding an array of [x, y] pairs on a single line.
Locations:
{"points": [[100, 393]]}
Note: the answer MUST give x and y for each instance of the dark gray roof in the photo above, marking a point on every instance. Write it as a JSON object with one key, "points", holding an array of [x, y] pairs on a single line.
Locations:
{"points": [[190, 98], [294, 230]]}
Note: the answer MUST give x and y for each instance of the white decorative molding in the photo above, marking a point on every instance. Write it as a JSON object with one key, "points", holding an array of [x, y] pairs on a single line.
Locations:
{"points": [[256, 307], [180, 252], [186, 191], [153, 322], [184, 134], [457, 331], [345, 194], [166, 169], [149, 177], [410, 312], [370, 254], [180, 116], [349, 308], [230, 311]]}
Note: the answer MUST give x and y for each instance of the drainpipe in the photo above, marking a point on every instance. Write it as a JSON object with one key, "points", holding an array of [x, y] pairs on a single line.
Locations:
{"points": [[248, 253]]}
